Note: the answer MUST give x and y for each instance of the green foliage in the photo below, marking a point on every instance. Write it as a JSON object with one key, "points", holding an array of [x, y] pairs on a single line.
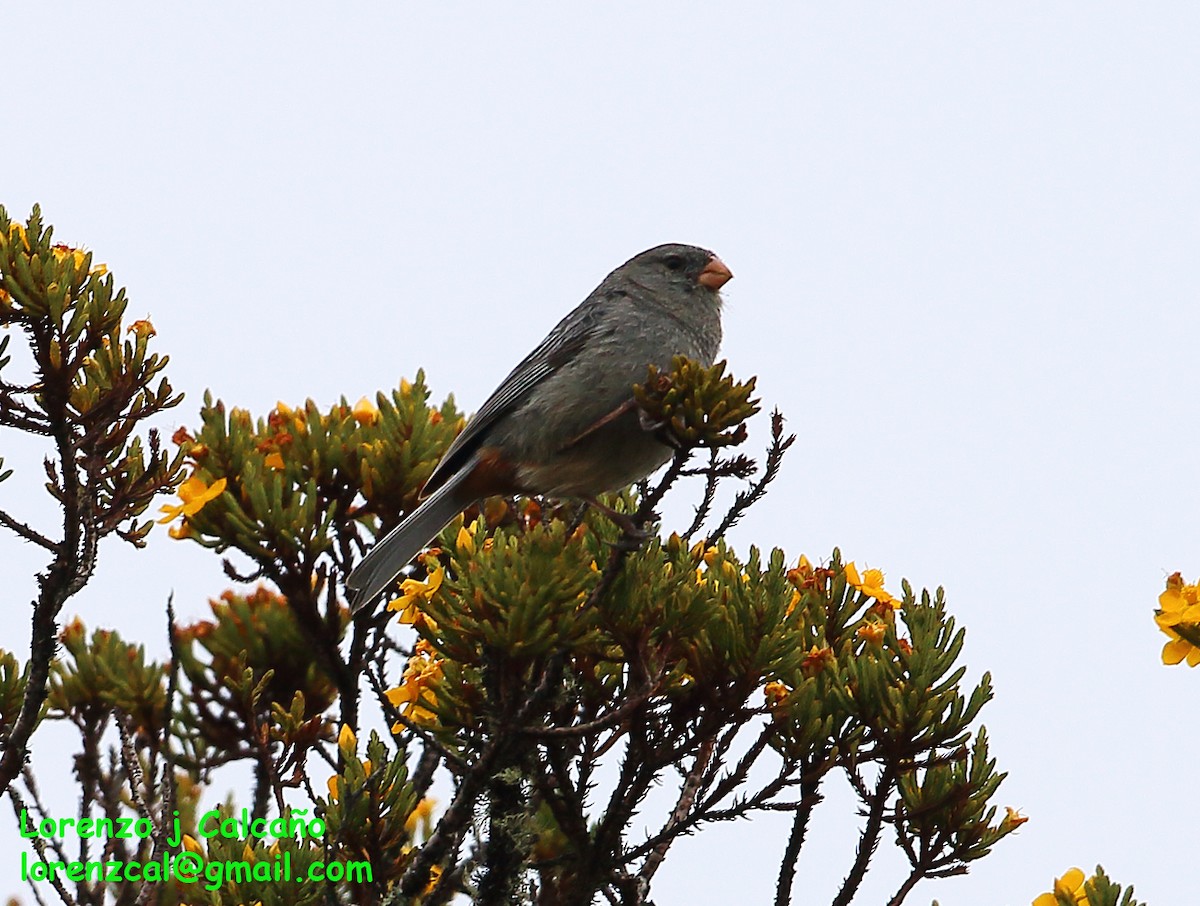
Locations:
{"points": [[703, 407], [300, 476], [94, 386], [548, 666], [12, 687], [254, 690], [106, 674], [1103, 891], [370, 809], [680, 643], [255, 632], [501, 599], [251, 869], [88, 389]]}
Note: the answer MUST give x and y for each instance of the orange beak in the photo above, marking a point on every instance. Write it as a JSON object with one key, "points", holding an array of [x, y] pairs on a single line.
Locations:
{"points": [[715, 274]]}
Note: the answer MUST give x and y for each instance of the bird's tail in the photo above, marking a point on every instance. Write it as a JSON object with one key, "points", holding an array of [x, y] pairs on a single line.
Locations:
{"points": [[386, 559]]}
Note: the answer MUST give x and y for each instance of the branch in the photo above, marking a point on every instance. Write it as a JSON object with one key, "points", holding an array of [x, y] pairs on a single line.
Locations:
{"points": [[167, 812], [616, 716], [869, 839], [745, 499], [40, 845], [644, 514], [69, 571], [41, 653], [906, 888], [31, 788], [133, 767], [472, 783], [27, 533], [787, 867], [687, 798], [710, 492]]}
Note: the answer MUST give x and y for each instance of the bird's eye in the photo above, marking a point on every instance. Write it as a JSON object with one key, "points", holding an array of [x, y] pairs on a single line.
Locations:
{"points": [[673, 262]]}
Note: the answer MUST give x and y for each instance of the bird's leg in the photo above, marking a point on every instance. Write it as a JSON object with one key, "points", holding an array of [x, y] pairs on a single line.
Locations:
{"points": [[632, 536], [660, 429], [577, 518]]}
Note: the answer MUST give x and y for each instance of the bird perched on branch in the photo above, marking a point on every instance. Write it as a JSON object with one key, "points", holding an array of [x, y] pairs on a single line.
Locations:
{"points": [[564, 423]]}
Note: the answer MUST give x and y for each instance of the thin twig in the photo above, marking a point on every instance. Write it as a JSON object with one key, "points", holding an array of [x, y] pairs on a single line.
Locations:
{"points": [[167, 784], [27, 533], [612, 718], [914, 877], [133, 767], [687, 798], [745, 499], [710, 493], [39, 844], [868, 839], [787, 867], [31, 787], [644, 514]]}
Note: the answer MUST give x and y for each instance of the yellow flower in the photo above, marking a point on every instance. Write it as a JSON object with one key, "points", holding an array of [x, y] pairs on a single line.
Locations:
{"points": [[465, 542], [1179, 607], [1070, 886], [435, 874], [190, 844], [852, 576], [347, 741], [421, 817], [365, 412], [181, 531], [142, 328], [816, 660], [413, 592], [872, 632], [413, 695], [776, 694], [195, 494], [63, 252], [1012, 818], [870, 583], [273, 460], [16, 229]]}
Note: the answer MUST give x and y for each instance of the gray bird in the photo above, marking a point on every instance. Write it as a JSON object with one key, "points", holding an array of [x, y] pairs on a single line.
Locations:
{"points": [[564, 423]]}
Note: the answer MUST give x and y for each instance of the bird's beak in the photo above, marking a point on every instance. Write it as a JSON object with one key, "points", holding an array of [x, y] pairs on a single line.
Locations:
{"points": [[715, 274]]}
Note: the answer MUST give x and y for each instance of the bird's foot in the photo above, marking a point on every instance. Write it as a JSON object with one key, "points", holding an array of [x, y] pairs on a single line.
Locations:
{"points": [[633, 535]]}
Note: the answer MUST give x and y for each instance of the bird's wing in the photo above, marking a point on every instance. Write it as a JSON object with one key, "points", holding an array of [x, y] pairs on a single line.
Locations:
{"points": [[561, 346]]}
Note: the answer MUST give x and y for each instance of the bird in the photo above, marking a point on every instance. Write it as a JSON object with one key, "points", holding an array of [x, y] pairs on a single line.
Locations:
{"points": [[565, 423]]}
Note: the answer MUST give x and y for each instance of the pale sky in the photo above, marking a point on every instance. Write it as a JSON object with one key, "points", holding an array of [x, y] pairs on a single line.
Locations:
{"points": [[964, 244]]}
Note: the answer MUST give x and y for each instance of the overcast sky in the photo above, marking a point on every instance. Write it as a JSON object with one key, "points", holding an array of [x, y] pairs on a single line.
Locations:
{"points": [[965, 255]]}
